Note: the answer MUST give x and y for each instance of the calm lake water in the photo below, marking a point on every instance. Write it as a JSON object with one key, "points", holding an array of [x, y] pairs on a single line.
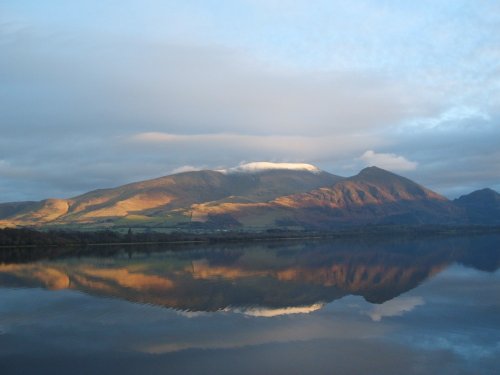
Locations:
{"points": [[400, 306]]}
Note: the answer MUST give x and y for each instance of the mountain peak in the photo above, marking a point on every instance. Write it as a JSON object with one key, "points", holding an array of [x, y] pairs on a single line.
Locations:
{"points": [[262, 166], [394, 184], [373, 170], [486, 191], [482, 206], [374, 173], [486, 196]]}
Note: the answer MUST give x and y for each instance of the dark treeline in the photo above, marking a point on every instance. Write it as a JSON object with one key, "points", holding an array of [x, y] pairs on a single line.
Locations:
{"points": [[23, 245], [30, 238]]}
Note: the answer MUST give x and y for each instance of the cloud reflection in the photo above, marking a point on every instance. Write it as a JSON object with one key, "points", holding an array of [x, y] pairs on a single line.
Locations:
{"points": [[395, 307]]}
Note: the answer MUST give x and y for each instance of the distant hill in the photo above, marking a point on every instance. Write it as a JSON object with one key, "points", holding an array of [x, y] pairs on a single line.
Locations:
{"points": [[481, 206], [257, 196]]}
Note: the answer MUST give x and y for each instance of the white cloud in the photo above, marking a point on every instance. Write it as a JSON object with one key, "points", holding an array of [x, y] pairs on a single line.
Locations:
{"points": [[263, 166], [395, 307], [185, 168], [391, 162]]}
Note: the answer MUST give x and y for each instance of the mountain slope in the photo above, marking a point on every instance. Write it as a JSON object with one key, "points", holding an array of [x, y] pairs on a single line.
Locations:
{"points": [[258, 196], [481, 206], [158, 197], [374, 196]]}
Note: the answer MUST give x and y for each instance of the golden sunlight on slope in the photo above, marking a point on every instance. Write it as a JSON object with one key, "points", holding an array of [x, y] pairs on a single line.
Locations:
{"points": [[200, 212], [350, 193], [135, 203], [49, 210], [264, 200], [83, 205]]}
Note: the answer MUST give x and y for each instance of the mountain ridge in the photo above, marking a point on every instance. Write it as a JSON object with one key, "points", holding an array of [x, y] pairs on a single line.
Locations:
{"points": [[165, 193], [258, 195]]}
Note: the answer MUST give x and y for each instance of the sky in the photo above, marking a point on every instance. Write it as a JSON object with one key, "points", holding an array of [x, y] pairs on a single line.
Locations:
{"points": [[96, 94]]}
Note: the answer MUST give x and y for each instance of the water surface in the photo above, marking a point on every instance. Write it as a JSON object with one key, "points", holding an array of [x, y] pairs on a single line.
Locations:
{"points": [[348, 307]]}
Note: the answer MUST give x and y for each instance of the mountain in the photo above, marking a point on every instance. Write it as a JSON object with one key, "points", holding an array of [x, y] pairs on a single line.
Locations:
{"points": [[258, 196], [163, 200], [481, 206], [374, 196]]}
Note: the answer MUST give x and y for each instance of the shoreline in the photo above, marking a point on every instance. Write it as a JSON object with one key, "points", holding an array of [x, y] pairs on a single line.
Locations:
{"points": [[55, 239]]}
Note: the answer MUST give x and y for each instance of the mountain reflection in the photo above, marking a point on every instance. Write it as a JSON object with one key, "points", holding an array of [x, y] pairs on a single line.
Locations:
{"points": [[259, 280]]}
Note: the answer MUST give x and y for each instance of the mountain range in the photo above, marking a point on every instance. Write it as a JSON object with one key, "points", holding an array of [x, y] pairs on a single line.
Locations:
{"points": [[258, 196]]}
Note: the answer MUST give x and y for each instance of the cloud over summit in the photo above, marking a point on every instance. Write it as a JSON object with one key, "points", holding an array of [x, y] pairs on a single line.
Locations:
{"points": [[391, 162]]}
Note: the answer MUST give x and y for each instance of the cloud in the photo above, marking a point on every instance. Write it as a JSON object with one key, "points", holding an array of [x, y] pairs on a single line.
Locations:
{"points": [[250, 147], [262, 166], [395, 307], [185, 168], [392, 162], [198, 86], [454, 158], [225, 150], [449, 119], [188, 88]]}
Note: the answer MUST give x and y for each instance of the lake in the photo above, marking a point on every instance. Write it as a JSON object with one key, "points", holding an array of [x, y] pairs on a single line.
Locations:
{"points": [[372, 306]]}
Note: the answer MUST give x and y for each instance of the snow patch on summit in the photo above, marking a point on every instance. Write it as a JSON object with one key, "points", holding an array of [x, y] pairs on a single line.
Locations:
{"points": [[266, 166]]}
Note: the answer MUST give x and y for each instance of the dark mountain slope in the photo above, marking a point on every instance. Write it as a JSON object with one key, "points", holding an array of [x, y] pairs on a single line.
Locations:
{"points": [[481, 206], [374, 196]]}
